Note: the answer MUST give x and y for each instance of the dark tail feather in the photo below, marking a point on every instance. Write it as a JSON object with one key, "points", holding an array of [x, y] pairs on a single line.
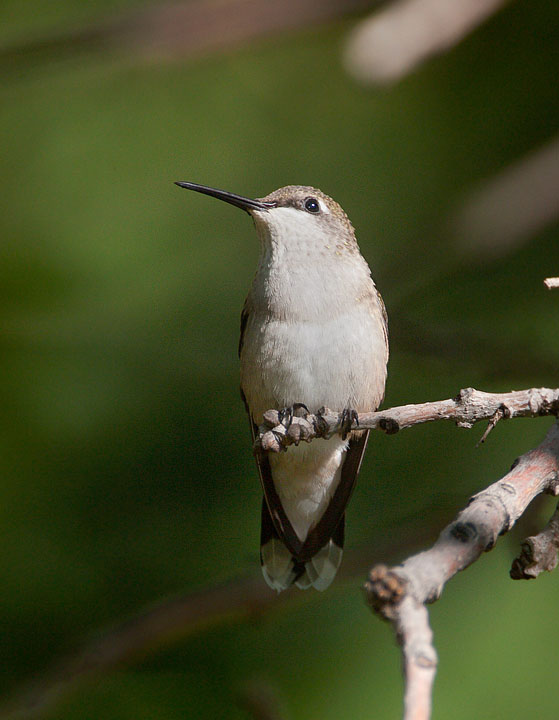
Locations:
{"points": [[281, 569]]}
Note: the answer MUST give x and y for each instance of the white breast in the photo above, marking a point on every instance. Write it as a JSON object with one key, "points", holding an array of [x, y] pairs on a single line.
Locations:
{"points": [[339, 362]]}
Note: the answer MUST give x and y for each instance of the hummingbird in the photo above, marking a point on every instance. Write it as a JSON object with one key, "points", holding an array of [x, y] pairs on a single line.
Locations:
{"points": [[314, 334]]}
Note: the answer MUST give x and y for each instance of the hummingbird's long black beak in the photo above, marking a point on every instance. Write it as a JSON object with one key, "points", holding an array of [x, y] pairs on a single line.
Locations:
{"points": [[237, 200]]}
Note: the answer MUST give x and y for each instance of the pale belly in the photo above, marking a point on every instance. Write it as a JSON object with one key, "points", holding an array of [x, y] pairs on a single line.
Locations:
{"points": [[339, 363]]}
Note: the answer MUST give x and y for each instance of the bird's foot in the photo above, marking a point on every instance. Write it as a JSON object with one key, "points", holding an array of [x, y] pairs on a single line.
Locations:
{"points": [[287, 414], [349, 416]]}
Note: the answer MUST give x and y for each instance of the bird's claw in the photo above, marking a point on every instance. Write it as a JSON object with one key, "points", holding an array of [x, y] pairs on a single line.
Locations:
{"points": [[286, 415], [349, 416]]}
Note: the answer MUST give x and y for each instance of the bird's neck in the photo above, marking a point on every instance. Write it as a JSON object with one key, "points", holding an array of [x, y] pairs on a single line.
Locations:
{"points": [[301, 278]]}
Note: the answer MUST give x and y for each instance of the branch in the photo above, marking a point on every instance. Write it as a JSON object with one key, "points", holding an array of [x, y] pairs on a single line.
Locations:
{"points": [[539, 552], [467, 408], [399, 594]]}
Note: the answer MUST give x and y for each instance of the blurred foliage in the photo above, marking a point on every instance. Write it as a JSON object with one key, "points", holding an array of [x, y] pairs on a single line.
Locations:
{"points": [[126, 465]]}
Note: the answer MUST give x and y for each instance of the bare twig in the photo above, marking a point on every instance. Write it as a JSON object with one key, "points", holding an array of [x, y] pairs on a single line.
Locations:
{"points": [[467, 408], [551, 283], [499, 415], [399, 594], [391, 43], [539, 553]]}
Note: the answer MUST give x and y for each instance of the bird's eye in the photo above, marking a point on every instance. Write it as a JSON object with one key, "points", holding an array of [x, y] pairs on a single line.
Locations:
{"points": [[311, 205]]}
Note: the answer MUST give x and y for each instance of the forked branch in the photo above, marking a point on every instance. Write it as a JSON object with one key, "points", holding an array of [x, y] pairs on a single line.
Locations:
{"points": [[399, 594]]}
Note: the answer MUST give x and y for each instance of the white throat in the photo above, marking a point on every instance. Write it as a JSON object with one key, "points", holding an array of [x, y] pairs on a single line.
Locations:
{"points": [[305, 270]]}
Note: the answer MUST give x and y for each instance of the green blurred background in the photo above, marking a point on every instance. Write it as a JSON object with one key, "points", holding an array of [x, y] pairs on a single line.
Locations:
{"points": [[126, 465]]}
